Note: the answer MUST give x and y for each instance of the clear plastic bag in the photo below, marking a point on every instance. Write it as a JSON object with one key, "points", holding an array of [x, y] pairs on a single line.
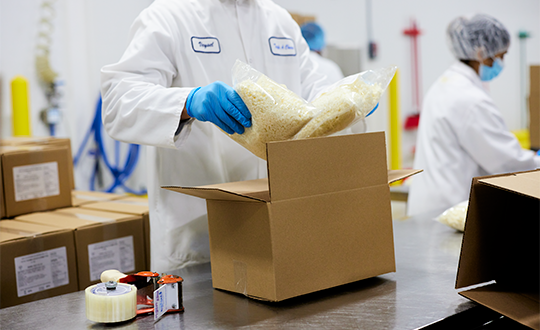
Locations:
{"points": [[346, 102], [455, 216], [279, 114]]}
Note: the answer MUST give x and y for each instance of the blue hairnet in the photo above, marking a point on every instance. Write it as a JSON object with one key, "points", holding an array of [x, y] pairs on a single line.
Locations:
{"points": [[477, 38], [314, 36]]}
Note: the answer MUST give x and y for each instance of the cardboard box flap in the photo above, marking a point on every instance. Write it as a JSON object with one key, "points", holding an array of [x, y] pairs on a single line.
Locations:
{"points": [[396, 175], [54, 219], [521, 307], [19, 149], [524, 183], [8, 236], [308, 167], [118, 206], [248, 191], [92, 215], [94, 195], [25, 228], [18, 140]]}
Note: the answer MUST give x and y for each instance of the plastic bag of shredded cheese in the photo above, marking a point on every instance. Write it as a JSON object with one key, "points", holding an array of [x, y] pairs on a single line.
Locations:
{"points": [[455, 216], [346, 102], [278, 114]]}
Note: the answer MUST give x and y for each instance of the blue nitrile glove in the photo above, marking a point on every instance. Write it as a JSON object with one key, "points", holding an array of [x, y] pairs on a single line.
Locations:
{"points": [[372, 111], [218, 103]]}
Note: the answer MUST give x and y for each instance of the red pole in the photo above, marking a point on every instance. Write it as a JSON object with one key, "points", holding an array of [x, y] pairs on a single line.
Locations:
{"points": [[414, 33]]}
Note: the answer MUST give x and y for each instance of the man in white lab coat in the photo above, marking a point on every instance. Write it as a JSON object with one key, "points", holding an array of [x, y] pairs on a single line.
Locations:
{"points": [[462, 133], [152, 97]]}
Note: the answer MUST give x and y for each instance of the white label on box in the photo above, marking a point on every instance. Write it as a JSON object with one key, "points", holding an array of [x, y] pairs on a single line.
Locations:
{"points": [[112, 254], [36, 181], [41, 271]]}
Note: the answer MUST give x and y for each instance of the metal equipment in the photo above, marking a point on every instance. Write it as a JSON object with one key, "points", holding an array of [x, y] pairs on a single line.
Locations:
{"points": [[112, 301]]}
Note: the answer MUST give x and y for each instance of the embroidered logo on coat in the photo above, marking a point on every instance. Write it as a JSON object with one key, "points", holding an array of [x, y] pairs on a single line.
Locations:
{"points": [[282, 46], [208, 45]]}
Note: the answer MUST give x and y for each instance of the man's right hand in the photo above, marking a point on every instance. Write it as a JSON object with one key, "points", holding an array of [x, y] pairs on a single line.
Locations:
{"points": [[220, 104]]}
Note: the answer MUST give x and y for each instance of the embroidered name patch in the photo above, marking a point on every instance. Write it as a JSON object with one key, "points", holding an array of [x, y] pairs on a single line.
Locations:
{"points": [[282, 46], [205, 45]]}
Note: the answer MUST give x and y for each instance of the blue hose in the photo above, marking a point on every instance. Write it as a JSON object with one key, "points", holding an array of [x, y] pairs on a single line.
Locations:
{"points": [[120, 174]]}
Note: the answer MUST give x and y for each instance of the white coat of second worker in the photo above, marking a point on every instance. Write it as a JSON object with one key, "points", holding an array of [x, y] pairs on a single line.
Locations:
{"points": [[177, 46], [461, 135], [327, 67]]}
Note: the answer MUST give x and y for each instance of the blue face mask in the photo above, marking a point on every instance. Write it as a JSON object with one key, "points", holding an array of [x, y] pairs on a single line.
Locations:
{"points": [[487, 73]]}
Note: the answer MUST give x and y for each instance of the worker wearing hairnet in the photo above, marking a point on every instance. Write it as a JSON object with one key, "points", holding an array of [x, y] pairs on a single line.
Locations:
{"points": [[171, 90], [462, 134], [314, 35]]}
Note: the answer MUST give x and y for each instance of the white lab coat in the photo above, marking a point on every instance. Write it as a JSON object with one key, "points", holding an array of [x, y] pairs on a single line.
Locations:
{"points": [[461, 135], [176, 46], [327, 67]]}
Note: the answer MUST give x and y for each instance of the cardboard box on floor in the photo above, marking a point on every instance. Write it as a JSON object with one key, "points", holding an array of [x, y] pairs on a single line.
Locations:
{"points": [[129, 205], [103, 240], [321, 219], [501, 244], [43, 141], [80, 197], [34, 178], [37, 262]]}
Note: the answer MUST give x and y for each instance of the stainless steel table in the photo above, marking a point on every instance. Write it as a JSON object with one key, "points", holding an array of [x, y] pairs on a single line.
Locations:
{"points": [[420, 292]]}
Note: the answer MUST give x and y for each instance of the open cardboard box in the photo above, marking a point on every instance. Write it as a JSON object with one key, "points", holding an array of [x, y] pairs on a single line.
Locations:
{"points": [[321, 219], [500, 249]]}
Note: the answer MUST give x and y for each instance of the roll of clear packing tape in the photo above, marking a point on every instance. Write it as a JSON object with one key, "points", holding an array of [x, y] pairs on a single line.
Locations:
{"points": [[111, 302]]}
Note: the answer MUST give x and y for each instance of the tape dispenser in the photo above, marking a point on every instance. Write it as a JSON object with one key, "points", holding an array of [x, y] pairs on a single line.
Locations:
{"points": [[120, 297]]}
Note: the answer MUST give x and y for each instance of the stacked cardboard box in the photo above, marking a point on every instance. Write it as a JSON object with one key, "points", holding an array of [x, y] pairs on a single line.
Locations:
{"points": [[500, 253], [44, 141], [103, 240], [137, 206], [38, 261], [80, 197], [321, 219], [34, 178]]}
